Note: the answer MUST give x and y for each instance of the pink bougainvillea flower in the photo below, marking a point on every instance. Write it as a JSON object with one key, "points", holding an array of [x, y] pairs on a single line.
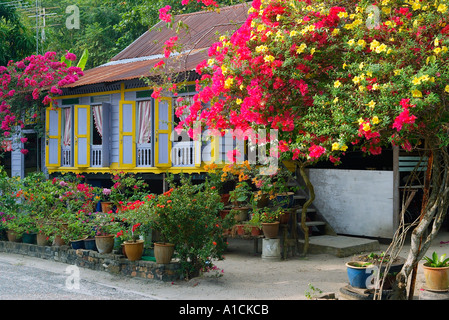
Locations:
{"points": [[164, 15]]}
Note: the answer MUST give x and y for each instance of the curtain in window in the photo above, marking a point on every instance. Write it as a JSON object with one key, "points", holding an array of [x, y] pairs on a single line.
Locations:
{"points": [[186, 101], [67, 126], [144, 134], [96, 110]]}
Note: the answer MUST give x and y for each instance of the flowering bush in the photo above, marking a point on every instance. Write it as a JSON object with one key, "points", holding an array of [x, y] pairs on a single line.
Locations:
{"points": [[126, 188], [187, 215], [29, 84]]}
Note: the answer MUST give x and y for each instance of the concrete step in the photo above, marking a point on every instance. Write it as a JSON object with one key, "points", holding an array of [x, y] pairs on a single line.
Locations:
{"points": [[340, 246]]}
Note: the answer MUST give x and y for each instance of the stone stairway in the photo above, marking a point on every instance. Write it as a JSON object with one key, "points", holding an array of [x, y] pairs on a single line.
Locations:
{"points": [[322, 237]]}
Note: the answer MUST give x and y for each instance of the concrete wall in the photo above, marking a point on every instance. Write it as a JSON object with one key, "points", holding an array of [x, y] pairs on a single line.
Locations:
{"points": [[355, 202]]}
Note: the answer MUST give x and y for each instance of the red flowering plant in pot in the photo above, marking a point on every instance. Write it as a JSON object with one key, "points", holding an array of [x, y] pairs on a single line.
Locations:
{"points": [[187, 216], [133, 245]]}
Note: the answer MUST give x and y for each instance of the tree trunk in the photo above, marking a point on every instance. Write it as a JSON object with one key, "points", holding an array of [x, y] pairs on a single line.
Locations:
{"points": [[432, 217], [305, 207]]}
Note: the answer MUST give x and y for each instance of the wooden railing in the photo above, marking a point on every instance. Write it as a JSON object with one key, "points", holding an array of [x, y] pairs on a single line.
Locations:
{"points": [[144, 155], [66, 160], [96, 159], [183, 154]]}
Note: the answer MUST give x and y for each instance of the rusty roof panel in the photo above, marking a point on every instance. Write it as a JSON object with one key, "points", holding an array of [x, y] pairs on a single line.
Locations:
{"points": [[202, 28], [139, 57]]}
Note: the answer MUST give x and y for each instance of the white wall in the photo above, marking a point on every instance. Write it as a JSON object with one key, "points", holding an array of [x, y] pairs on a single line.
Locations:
{"points": [[355, 202]]}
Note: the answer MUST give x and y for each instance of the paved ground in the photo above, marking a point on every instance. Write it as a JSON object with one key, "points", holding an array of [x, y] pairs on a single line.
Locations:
{"points": [[245, 276]]}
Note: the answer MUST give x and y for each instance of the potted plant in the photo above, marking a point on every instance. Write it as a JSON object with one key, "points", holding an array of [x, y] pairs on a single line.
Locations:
{"points": [[269, 218], [359, 272], [254, 225], [436, 272], [133, 245], [105, 226], [187, 216], [380, 262], [126, 188]]}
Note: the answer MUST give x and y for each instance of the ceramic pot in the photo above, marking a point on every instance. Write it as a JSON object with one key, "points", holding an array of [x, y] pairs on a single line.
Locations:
{"points": [[106, 206], [133, 250], [437, 279], [58, 241], [29, 238], [285, 199], [89, 244], [284, 218], [42, 239], [241, 213], [270, 230], [358, 274], [105, 244], [163, 252], [255, 231], [12, 236], [77, 244]]}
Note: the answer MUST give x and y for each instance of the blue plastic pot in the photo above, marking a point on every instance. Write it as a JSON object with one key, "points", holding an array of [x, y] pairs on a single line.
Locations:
{"points": [[358, 276]]}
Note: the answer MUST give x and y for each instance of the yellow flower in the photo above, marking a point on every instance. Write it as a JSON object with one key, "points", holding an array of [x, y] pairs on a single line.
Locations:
{"points": [[397, 72], [344, 65], [268, 58], [416, 81], [342, 14], [228, 83], [337, 84], [381, 48], [335, 100], [356, 79], [261, 49], [335, 146], [224, 70], [344, 148], [360, 121], [375, 86], [437, 50], [374, 44], [436, 42], [238, 101], [301, 48], [293, 33], [366, 126], [371, 104], [446, 88], [351, 42], [375, 120], [361, 43], [442, 8], [416, 93]]}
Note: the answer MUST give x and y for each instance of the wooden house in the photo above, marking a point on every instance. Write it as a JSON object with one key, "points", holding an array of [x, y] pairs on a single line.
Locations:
{"points": [[108, 121]]}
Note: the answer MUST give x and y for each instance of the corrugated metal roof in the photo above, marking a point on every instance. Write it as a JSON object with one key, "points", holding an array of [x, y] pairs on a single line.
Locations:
{"points": [[138, 58]]}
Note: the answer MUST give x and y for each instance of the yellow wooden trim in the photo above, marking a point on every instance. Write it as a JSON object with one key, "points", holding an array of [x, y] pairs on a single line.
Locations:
{"points": [[167, 131], [77, 135], [122, 134], [154, 170], [122, 91], [87, 94], [58, 136]]}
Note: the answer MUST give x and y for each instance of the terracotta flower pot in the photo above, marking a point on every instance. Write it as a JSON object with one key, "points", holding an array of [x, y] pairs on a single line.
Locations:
{"points": [[436, 278], [133, 250], [41, 239], [106, 206], [270, 230], [163, 252], [58, 241], [241, 213], [105, 244], [12, 236]]}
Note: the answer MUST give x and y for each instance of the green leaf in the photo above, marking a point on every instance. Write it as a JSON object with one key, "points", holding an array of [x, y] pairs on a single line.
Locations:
{"points": [[83, 60]]}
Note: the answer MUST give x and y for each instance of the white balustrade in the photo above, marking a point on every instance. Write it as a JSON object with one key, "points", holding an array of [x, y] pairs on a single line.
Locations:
{"points": [[144, 155], [96, 156], [66, 156], [183, 154]]}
